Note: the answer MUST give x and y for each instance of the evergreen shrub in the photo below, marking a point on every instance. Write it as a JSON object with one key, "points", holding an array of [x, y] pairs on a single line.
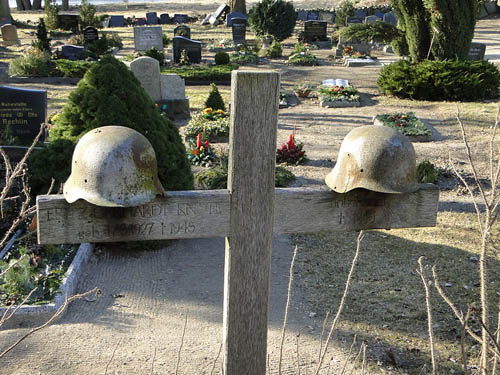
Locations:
{"points": [[42, 41], [33, 63], [273, 17], [427, 172], [205, 73], [343, 11], [155, 54], [74, 69], [214, 99], [221, 58], [275, 50], [88, 15], [109, 94], [454, 80]]}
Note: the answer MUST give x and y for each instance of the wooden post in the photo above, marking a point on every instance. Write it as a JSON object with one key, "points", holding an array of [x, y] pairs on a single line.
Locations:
{"points": [[252, 148]]}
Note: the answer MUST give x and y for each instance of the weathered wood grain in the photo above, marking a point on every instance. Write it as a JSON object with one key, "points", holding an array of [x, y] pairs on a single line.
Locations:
{"points": [[252, 148], [200, 214]]}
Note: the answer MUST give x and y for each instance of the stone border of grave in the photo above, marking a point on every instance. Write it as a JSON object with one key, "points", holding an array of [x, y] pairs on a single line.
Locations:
{"points": [[35, 314], [46, 80], [339, 104], [418, 138]]}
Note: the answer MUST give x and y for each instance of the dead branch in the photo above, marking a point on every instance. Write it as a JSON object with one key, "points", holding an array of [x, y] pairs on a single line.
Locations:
{"points": [[6, 317], [182, 343], [112, 356]]}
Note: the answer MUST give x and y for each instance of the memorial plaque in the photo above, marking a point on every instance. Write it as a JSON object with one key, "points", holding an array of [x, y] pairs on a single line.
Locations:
{"points": [[312, 16], [147, 71], [68, 21], [315, 31], [233, 15], [148, 37], [391, 18], [152, 18], [72, 52], [9, 35], [192, 48], [183, 30], [90, 34], [181, 18], [22, 111], [239, 26], [117, 21], [477, 51], [164, 19]]}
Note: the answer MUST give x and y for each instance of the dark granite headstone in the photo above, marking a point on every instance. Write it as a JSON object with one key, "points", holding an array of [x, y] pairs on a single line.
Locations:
{"points": [[379, 15], [90, 34], [239, 26], [164, 19], [152, 18], [315, 31], [353, 20], [117, 21], [232, 15], [360, 13], [312, 16], [391, 18], [192, 48], [181, 18], [22, 111], [5, 21], [302, 15], [71, 52], [140, 22], [477, 51], [183, 30], [68, 21]]}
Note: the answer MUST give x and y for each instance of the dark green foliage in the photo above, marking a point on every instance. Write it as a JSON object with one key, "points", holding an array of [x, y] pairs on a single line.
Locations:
{"points": [[51, 12], [378, 32], [42, 41], [155, 54], [74, 69], [343, 11], [166, 39], [205, 73], [461, 80], [109, 94], [214, 99], [221, 58], [426, 172], [282, 176], [273, 17], [303, 59], [34, 63], [102, 46], [88, 15], [275, 50]]}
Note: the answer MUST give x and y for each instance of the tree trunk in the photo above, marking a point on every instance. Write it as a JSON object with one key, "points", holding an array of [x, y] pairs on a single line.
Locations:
{"points": [[4, 8], [37, 4], [237, 6], [65, 5], [27, 4], [19, 5]]}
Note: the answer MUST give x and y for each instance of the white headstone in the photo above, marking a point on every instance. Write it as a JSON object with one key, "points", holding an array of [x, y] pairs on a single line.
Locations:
{"points": [[9, 35], [147, 71], [172, 87], [147, 37]]}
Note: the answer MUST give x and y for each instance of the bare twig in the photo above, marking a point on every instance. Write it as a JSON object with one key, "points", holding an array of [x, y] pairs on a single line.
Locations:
{"points": [[288, 298], [58, 313], [342, 300], [462, 342], [6, 317], [497, 357], [182, 343], [298, 356], [153, 361], [348, 355], [322, 333], [363, 364], [216, 359], [112, 356]]}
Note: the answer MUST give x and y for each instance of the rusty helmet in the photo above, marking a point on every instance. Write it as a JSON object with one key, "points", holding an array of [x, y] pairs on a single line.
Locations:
{"points": [[377, 158], [113, 166]]}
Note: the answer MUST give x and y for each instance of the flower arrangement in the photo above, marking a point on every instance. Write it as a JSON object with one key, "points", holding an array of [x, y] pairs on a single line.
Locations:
{"points": [[302, 59], [406, 123], [210, 114], [202, 154], [349, 52], [291, 152], [223, 44], [303, 90], [329, 93]]}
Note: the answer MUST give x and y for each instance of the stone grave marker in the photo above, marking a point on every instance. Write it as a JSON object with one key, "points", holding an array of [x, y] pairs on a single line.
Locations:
{"points": [[164, 19], [5, 21], [90, 34], [391, 18], [477, 51], [360, 13], [362, 47], [328, 17], [183, 30], [490, 6], [152, 18], [68, 21], [140, 22], [9, 35], [379, 14], [352, 20], [205, 20], [247, 213], [372, 19], [21, 112], [173, 94], [221, 10], [181, 18], [312, 16], [239, 29], [315, 31], [147, 71], [302, 15], [192, 48], [72, 52], [359, 62], [148, 37], [117, 21], [233, 15]]}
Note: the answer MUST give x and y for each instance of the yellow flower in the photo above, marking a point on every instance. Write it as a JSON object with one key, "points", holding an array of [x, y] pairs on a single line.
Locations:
{"points": [[207, 111]]}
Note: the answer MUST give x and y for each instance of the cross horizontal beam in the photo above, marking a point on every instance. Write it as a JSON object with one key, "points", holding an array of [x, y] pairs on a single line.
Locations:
{"points": [[199, 214]]}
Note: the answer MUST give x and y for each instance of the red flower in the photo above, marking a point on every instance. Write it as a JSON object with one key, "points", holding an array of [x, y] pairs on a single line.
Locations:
{"points": [[291, 143], [198, 141], [206, 145]]}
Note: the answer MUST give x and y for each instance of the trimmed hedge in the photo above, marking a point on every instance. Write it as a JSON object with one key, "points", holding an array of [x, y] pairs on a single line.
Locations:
{"points": [[204, 73], [454, 80]]}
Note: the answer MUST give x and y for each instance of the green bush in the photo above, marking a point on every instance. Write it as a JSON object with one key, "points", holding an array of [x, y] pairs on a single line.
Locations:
{"points": [[214, 99], [155, 54], [273, 17], [453, 80], [244, 57], [378, 32], [34, 63], [275, 50], [51, 12], [102, 46], [209, 129], [343, 11], [109, 94], [426, 172], [302, 58], [88, 15], [74, 69], [204, 73], [42, 41], [221, 58], [166, 40]]}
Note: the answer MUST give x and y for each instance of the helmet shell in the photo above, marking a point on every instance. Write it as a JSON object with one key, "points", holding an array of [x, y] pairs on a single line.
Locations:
{"points": [[113, 166], [377, 158]]}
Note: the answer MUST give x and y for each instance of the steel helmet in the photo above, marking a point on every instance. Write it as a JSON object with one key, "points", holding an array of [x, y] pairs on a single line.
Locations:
{"points": [[377, 158], [113, 166]]}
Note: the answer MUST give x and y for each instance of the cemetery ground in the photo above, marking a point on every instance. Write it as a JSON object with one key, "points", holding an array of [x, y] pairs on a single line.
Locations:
{"points": [[137, 324]]}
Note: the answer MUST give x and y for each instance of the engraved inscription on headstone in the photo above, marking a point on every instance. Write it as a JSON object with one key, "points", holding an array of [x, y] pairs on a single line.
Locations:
{"points": [[477, 51], [148, 37], [152, 18], [315, 31], [147, 71], [90, 34], [183, 30], [192, 48], [21, 112], [239, 28]]}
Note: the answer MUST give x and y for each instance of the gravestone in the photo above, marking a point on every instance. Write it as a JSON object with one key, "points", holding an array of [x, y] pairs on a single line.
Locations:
{"points": [[152, 18], [302, 15], [353, 20], [206, 20], [233, 15], [173, 95], [72, 52], [5, 21], [22, 111], [372, 19], [192, 48], [147, 71], [477, 51], [312, 16], [362, 47], [360, 13], [90, 34], [221, 10], [391, 18], [181, 18], [328, 17], [117, 21], [68, 21], [148, 37], [183, 30], [164, 19], [239, 29], [315, 31], [379, 14], [140, 22], [490, 7], [9, 35]]}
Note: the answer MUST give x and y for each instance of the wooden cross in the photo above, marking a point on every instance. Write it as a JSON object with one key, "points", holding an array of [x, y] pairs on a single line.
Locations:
{"points": [[247, 214]]}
